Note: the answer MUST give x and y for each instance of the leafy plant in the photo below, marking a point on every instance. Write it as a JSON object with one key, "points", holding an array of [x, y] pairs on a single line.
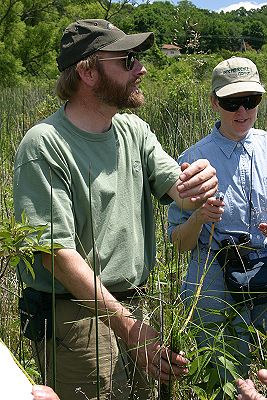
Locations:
{"points": [[19, 241]]}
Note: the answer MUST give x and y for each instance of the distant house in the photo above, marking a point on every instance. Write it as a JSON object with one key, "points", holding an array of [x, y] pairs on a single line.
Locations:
{"points": [[171, 50]]}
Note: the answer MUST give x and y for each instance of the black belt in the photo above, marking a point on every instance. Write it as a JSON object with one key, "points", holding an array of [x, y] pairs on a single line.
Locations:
{"points": [[64, 296], [130, 293], [127, 294], [48, 295]]}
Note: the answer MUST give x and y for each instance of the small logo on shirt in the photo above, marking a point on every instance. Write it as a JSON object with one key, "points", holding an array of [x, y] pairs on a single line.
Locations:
{"points": [[136, 166]]}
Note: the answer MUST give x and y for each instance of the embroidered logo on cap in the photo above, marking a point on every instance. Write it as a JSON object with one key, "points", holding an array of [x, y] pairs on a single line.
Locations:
{"points": [[238, 71]]}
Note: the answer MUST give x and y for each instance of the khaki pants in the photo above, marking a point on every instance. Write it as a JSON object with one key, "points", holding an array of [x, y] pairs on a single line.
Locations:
{"points": [[76, 362]]}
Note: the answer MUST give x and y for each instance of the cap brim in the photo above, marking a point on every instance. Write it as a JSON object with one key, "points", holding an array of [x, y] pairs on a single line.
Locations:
{"points": [[239, 87], [136, 41]]}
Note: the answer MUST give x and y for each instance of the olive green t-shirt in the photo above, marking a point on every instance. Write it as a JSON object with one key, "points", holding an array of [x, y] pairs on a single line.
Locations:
{"points": [[101, 191]]}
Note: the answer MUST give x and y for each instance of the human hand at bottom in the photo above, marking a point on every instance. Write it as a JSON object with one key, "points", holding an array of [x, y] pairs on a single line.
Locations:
{"points": [[158, 361], [41, 392], [247, 388]]}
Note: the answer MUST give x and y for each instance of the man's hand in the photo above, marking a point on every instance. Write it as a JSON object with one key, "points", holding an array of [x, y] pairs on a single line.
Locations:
{"points": [[158, 361], [197, 181], [40, 392], [247, 389]]}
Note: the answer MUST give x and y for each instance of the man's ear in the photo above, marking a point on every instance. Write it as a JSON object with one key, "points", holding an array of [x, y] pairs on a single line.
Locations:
{"points": [[88, 76]]}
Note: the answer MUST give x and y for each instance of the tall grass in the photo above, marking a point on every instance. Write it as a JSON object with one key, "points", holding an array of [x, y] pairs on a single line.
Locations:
{"points": [[179, 119], [19, 109]]}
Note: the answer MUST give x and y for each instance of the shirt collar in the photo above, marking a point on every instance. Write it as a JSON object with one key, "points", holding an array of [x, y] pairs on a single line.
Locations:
{"points": [[227, 145]]}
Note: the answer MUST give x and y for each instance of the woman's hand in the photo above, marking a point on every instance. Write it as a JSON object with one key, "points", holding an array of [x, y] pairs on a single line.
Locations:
{"points": [[211, 211]]}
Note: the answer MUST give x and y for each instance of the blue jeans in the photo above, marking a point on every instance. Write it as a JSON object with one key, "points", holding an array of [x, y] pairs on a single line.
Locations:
{"points": [[222, 323]]}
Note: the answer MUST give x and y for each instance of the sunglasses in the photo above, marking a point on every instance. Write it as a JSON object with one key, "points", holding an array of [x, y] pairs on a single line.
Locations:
{"points": [[129, 60], [232, 104]]}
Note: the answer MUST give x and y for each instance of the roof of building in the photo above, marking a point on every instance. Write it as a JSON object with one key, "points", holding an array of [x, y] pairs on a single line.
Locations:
{"points": [[170, 47]]}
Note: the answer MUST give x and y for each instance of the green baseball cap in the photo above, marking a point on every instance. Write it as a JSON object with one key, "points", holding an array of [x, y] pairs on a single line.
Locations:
{"points": [[85, 37], [236, 75]]}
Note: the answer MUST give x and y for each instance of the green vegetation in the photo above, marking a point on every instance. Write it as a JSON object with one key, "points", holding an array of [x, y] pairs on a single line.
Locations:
{"points": [[30, 30], [177, 108]]}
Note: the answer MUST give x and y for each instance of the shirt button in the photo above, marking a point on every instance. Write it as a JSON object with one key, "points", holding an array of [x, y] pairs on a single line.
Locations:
{"points": [[239, 144], [258, 237]]}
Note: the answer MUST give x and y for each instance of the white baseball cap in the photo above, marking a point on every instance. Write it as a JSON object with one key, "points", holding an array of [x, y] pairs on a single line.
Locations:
{"points": [[236, 75]]}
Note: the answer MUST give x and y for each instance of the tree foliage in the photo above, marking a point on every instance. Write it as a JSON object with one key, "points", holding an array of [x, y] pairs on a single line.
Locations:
{"points": [[30, 30]]}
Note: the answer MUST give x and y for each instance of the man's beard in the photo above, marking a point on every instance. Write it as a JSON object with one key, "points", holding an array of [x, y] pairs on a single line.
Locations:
{"points": [[115, 94]]}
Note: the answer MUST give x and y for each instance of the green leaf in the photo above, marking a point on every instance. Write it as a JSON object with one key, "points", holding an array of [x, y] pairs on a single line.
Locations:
{"points": [[230, 390], [215, 394], [200, 393], [4, 234], [214, 379], [229, 366], [42, 249], [14, 261], [198, 365], [29, 267], [41, 231]]}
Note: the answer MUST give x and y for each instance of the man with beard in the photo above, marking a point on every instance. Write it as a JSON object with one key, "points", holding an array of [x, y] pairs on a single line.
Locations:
{"points": [[91, 171]]}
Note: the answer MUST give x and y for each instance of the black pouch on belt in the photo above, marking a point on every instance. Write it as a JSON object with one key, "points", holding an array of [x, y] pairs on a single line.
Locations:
{"points": [[36, 314], [245, 278]]}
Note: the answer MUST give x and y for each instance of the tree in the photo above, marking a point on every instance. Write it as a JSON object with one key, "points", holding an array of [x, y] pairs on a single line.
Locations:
{"points": [[12, 31], [255, 33], [157, 17], [30, 30]]}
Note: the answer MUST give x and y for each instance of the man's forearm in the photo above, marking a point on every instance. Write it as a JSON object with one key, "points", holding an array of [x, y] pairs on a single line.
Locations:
{"points": [[143, 340], [78, 278]]}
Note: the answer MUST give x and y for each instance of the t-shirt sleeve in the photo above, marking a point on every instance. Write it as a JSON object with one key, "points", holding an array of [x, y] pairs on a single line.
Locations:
{"points": [[162, 170], [43, 192]]}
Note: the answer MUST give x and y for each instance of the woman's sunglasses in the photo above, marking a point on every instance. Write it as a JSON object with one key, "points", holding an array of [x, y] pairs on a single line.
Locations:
{"points": [[232, 104], [129, 60]]}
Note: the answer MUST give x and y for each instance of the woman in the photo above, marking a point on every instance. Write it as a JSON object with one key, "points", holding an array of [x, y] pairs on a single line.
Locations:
{"points": [[238, 152]]}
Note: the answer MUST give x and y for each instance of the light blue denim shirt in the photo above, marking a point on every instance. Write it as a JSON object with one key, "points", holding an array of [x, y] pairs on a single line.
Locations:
{"points": [[242, 174]]}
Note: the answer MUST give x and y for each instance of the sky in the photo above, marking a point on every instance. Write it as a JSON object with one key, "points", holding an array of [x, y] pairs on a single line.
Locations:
{"points": [[228, 5]]}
